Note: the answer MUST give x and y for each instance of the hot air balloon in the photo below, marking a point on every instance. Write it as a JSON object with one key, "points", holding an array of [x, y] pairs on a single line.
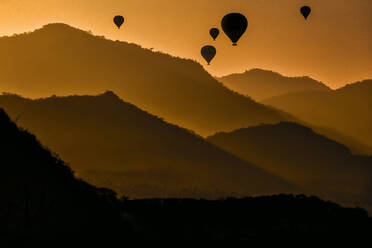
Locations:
{"points": [[305, 11], [234, 25], [119, 20], [208, 53], [214, 32]]}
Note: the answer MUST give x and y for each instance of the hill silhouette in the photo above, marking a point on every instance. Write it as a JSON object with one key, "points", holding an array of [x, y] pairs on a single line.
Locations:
{"points": [[114, 144], [348, 109], [42, 203], [356, 146], [41, 199], [262, 84], [58, 59], [321, 166], [279, 217]]}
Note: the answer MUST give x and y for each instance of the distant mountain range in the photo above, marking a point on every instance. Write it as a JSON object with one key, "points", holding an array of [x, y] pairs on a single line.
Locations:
{"points": [[256, 149], [347, 110], [58, 59], [262, 84], [40, 197], [114, 144], [296, 153], [68, 61], [342, 115]]}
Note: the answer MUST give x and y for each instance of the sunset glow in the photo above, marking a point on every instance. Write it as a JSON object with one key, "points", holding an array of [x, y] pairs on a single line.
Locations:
{"points": [[333, 46]]}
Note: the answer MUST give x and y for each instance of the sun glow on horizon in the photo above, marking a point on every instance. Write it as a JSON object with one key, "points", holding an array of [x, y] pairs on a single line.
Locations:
{"points": [[333, 46]]}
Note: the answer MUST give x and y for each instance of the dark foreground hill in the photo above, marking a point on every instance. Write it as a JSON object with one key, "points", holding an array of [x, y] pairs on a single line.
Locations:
{"points": [[261, 84], [62, 60], [114, 144], [347, 109], [296, 153], [279, 218], [41, 198]]}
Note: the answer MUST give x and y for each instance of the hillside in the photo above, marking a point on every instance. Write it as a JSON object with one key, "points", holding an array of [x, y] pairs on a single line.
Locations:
{"points": [[114, 144], [280, 217], [296, 153], [262, 84], [42, 204], [348, 109], [41, 198], [58, 59]]}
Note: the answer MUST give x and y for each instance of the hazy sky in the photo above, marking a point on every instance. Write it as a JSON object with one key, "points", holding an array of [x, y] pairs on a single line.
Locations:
{"points": [[334, 45]]}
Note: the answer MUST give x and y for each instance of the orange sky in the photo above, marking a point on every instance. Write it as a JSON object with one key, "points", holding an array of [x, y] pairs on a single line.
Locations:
{"points": [[334, 46]]}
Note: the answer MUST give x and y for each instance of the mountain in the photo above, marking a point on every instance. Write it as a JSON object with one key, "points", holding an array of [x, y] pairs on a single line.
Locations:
{"points": [[347, 110], [301, 156], [356, 147], [114, 144], [43, 203], [58, 59], [41, 198], [262, 84]]}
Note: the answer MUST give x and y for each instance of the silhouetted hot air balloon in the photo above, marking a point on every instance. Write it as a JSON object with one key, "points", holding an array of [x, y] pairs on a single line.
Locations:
{"points": [[119, 20], [234, 25], [214, 32], [305, 11], [208, 53]]}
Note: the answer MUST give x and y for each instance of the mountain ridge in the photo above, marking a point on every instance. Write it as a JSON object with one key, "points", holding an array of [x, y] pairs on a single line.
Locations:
{"points": [[62, 60], [116, 145], [262, 84], [346, 109], [303, 157]]}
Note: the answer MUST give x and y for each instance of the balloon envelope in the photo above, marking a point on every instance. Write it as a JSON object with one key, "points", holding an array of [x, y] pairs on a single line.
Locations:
{"points": [[208, 53], [305, 11], [234, 25], [118, 20], [214, 32]]}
